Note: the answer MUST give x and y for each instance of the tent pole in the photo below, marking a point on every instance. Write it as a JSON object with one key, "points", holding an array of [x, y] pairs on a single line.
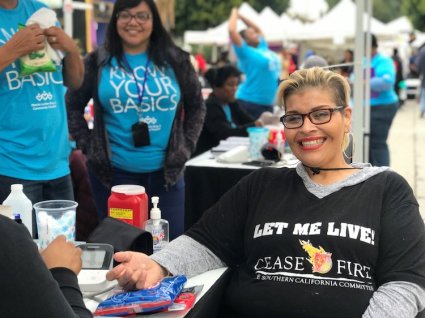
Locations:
{"points": [[367, 86], [358, 128]]}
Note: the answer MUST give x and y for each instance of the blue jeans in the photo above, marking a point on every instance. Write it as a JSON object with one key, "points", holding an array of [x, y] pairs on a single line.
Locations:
{"points": [[171, 199], [36, 191], [255, 110], [422, 101], [381, 118]]}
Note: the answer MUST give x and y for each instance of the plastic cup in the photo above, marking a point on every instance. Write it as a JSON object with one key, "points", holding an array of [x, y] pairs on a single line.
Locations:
{"points": [[258, 136], [54, 218]]}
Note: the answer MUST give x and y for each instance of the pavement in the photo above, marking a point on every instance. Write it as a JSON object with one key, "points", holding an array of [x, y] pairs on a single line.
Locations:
{"points": [[407, 149]]}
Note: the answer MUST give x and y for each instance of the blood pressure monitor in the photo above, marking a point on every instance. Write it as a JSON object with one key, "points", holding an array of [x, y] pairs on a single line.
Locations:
{"points": [[97, 261]]}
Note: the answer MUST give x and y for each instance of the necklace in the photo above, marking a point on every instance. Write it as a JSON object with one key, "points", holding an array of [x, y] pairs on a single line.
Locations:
{"points": [[140, 93], [316, 170]]}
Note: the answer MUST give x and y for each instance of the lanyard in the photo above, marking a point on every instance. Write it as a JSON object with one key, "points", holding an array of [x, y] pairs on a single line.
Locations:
{"points": [[140, 94]]}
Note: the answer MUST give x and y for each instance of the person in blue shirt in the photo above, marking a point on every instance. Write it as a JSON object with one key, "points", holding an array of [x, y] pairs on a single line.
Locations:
{"points": [[383, 104], [34, 146], [148, 111], [261, 66]]}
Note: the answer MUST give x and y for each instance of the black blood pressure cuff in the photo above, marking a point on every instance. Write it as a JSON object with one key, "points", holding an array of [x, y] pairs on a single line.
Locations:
{"points": [[122, 236]]}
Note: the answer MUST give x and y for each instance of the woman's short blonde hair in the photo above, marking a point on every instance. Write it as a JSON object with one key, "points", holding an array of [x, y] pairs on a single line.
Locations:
{"points": [[315, 77]]}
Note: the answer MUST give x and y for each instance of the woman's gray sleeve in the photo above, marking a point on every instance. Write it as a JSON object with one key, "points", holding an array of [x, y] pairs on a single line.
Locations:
{"points": [[186, 256], [395, 300]]}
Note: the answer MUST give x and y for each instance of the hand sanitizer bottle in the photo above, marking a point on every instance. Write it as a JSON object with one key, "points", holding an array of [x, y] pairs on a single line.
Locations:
{"points": [[157, 227]]}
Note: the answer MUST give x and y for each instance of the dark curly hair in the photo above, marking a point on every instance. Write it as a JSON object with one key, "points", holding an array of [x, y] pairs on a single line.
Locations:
{"points": [[218, 75]]}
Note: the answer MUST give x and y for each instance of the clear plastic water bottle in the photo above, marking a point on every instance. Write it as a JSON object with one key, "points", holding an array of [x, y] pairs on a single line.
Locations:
{"points": [[20, 205], [159, 228]]}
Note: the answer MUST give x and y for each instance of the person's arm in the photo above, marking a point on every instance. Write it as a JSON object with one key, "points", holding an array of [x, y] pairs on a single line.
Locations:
{"points": [[251, 24], [220, 227], [240, 116], [28, 287], [182, 256], [235, 37], [185, 256], [380, 84], [217, 125], [396, 299], [400, 271], [25, 41], [63, 259], [73, 63], [384, 78]]}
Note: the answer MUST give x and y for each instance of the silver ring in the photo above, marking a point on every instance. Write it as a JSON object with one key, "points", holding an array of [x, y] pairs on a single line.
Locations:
{"points": [[53, 39]]}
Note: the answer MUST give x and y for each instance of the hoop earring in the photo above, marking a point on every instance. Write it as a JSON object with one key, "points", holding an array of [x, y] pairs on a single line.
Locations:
{"points": [[350, 146]]}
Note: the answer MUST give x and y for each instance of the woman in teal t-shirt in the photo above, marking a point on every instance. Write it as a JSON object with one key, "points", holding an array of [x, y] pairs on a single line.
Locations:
{"points": [[148, 111]]}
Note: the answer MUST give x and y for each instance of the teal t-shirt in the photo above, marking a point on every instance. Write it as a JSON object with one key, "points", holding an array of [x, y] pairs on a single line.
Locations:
{"points": [[228, 114], [262, 68], [382, 81], [33, 126], [119, 97]]}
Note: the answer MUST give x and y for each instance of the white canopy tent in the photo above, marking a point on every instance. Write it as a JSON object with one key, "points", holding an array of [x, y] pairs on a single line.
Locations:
{"points": [[338, 26], [219, 35], [290, 25], [271, 25], [400, 25], [275, 27]]}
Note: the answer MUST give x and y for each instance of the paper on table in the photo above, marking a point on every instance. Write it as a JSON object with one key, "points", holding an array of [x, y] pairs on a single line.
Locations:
{"points": [[237, 154], [230, 143]]}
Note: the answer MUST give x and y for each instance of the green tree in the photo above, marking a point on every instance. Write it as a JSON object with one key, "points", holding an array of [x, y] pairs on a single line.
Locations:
{"points": [[278, 6], [203, 14], [386, 10], [415, 10], [332, 3], [383, 10]]}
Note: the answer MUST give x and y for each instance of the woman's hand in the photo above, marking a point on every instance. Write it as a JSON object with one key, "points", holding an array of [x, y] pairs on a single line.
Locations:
{"points": [[60, 253], [136, 271], [59, 40], [27, 40]]}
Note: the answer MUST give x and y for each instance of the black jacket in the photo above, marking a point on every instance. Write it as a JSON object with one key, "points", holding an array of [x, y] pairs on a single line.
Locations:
{"points": [[217, 127]]}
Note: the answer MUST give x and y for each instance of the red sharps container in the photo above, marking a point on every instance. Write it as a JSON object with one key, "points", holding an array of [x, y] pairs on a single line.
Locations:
{"points": [[129, 203]]}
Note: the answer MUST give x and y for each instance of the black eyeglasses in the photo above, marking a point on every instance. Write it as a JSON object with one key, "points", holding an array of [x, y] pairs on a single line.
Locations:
{"points": [[317, 117], [140, 17]]}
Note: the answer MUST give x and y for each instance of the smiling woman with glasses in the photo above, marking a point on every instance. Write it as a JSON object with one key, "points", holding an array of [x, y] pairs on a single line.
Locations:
{"points": [[346, 239], [148, 108]]}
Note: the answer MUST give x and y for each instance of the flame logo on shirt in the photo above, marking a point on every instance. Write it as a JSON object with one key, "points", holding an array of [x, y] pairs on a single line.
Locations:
{"points": [[318, 257]]}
